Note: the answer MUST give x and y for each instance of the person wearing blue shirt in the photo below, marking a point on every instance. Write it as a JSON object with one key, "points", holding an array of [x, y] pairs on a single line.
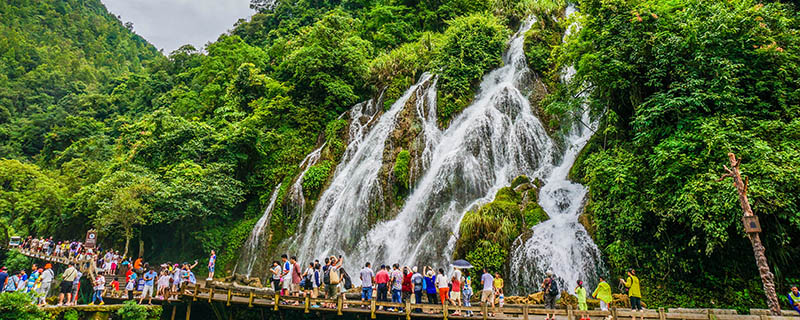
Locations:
{"points": [[149, 278], [430, 286]]}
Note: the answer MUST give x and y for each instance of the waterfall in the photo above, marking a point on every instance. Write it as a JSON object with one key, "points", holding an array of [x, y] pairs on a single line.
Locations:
{"points": [[492, 141], [561, 244], [254, 241]]}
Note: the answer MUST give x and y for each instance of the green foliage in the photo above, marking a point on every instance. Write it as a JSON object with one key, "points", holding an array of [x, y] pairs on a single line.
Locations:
{"points": [[327, 63], [19, 306], [16, 261], [30, 199], [315, 178], [519, 180], [401, 169], [399, 68], [71, 314], [489, 255], [333, 136], [683, 83], [471, 46], [134, 311]]}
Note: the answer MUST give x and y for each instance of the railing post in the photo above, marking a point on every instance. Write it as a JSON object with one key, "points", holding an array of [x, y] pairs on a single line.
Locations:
{"points": [[277, 301], [444, 310], [308, 303], [188, 310], [372, 308], [339, 302], [485, 309], [570, 313], [525, 312], [408, 309], [614, 313], [250, 303], [229, 298], [661, 314], [210, 295]]}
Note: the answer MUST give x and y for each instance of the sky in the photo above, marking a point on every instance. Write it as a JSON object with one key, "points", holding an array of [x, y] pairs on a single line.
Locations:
{"points": [[169, 24]]}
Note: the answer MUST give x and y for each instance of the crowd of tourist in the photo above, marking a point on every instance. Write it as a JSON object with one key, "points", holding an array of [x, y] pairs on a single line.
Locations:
{"points": [[326, 279], [135, 274]]}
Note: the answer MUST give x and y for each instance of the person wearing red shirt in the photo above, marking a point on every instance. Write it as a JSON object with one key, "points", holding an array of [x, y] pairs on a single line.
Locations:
{"points": [[407, 287], [382, 279]]}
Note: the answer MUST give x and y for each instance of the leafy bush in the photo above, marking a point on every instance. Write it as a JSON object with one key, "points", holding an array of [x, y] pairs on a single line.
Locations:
{"points": [[489, 255], [134, 311], [398, 69], [471, 46], [401, 169], [315, 178], [19, 306], [333, 133]]}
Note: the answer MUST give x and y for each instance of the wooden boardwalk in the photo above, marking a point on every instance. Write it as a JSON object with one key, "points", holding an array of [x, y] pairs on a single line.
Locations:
{"points": [[199, 293]]}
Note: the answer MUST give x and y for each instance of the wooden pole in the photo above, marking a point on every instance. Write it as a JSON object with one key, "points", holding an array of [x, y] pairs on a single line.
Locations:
{"points": [[307, 303], [229, 298], [277, 301], [188, 310], [767, 278], [372, 308], [174, 308], [339, 302], [250, 303]]}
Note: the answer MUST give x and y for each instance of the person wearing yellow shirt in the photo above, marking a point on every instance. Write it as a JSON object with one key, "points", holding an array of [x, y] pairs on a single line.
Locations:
{"points": [[497, 284], [634, 291], [603, 293], [580, 292]]}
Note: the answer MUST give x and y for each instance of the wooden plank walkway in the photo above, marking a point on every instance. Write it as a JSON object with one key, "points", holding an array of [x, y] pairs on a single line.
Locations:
{"points": [[200, 293]]}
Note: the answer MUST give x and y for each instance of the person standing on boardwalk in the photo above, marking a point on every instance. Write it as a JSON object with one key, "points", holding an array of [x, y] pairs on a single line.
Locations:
{"points": [[367, 277], [296, 277], [550, 289], [149, 279], [46, 282], [212, 262], [276, 276], [417, 283], [603, 293], [467, 291], [634, 291], [382, 279], [580, 292], [408, 286], [455, 291], [794, 299], [487, 294], [66, 284], [397, 284]]}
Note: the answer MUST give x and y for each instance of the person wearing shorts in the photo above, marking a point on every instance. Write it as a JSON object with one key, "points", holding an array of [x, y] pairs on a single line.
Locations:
{"points": [[66, 284], [487, 294]]}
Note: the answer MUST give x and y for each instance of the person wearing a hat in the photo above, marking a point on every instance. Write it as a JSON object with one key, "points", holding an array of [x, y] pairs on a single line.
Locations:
{"points": [[46, 281], [550, 289]]}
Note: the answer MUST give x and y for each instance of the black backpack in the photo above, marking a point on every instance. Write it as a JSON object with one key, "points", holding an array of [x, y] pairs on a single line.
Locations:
{"points": [[553, 287], [326, 277], [348, 283]]}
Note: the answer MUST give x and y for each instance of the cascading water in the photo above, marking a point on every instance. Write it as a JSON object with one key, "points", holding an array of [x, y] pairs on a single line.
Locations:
{"points": [[561, 244], [494, 140], [255, 242]]}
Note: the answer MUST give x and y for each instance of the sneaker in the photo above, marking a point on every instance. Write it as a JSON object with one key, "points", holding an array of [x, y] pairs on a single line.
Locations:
{"points": [[102, 303], [91, 303]]}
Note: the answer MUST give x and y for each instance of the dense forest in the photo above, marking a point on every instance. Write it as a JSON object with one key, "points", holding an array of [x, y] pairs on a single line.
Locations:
{"points": [[173, 155]]}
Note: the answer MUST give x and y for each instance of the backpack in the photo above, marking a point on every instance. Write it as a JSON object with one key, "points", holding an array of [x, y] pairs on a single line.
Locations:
{"points": [[326, 277], [417, 281], [334, 275], [348, 283], [553, 287]]}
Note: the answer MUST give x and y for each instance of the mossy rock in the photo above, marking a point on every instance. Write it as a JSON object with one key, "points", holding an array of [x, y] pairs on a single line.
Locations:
{"points": [[587, 220], [523, 179], [507, 194], [534, 214]]}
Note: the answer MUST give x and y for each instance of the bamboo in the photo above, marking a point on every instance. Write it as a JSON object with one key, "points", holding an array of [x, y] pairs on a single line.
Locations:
{"points": [[339, 303], [188, 310], [372, 308], [210, 295], [277, 301], [250, 302], [229, 298], [307, 303]]}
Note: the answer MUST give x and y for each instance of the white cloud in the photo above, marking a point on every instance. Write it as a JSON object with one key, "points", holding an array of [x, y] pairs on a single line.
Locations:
{"points": [[169, 24]]}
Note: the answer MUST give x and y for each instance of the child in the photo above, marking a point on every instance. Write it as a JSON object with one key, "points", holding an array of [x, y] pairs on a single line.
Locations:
{"points": [[130, 285], [580, 291], [163, 286], [99, 286], [115, 286]]}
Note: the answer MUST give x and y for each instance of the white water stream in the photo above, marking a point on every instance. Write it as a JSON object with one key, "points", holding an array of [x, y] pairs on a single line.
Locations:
{"points": [[255, 242]]}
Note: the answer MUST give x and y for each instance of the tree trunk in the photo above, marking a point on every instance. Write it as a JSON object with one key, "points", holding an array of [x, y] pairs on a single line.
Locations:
{"points": [[767, 278], [128, 237]]}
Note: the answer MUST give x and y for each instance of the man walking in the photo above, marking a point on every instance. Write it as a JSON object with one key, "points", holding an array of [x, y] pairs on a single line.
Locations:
{"points": [[487, 294], [367, 278], [66, 284]]}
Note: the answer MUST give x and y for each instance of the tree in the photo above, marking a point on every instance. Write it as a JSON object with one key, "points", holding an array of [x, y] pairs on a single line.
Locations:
{"points": [[126, 209]]}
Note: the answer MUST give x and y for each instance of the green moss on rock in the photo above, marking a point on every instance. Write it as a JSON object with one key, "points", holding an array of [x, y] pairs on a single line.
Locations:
{"points": [[401, 169]]}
